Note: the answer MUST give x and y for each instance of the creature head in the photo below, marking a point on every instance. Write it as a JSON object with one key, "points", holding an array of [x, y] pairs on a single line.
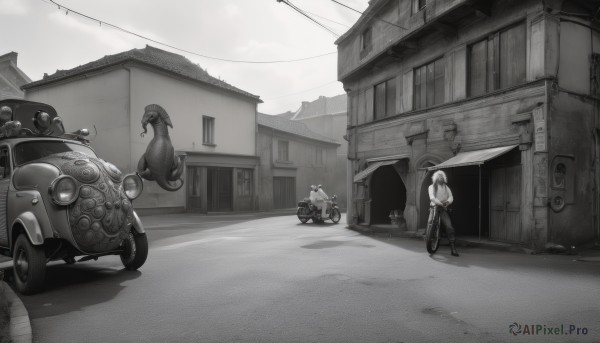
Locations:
{"points": [[439, 176], [154, 113], [313, 187], [5, 114]]}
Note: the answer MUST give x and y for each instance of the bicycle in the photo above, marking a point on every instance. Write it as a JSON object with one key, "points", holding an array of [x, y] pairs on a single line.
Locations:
{"points": [[433, 233]]}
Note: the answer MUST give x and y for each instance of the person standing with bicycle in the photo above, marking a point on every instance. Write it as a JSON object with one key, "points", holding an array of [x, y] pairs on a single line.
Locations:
{"points": [[440, 195]]}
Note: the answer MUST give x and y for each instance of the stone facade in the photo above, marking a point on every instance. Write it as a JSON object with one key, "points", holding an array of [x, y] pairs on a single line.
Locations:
{"points": [[428, 81]]}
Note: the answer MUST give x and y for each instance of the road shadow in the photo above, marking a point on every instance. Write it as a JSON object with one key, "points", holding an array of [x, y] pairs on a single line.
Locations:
{"points": [[73, 287]]}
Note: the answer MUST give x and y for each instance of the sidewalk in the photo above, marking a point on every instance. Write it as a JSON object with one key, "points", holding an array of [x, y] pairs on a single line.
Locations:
{"points": [[589, 253]]}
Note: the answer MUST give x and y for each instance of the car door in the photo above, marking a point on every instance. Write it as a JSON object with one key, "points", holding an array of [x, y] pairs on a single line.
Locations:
{"points": [[5, 173]]}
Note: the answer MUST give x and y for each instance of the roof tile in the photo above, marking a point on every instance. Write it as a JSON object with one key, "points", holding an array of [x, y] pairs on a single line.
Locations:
{"points": [[152, 56]]}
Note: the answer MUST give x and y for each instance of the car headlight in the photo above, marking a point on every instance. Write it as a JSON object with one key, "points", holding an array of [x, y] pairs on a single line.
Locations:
{"points": [[133, 186], [64, 190]]}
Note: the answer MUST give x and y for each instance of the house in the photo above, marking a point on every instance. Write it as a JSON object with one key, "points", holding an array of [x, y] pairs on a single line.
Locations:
{"points": [[11, 77], [292, 158], [327, 116], [214, 124], [503, 95]]}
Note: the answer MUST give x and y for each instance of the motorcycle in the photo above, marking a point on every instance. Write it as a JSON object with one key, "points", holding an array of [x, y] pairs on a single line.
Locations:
{"points": [[306, 211]]}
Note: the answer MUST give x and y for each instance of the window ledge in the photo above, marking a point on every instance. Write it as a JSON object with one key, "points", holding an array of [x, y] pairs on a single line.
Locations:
{"points": [[284, 164], [209, 144]]}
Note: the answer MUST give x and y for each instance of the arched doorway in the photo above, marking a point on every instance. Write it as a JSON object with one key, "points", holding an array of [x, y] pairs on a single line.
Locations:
{"points": [[388, 193]]}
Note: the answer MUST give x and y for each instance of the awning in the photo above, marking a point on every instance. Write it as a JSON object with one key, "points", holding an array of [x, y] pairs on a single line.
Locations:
{"points": [[471, 158], [371, 168]]}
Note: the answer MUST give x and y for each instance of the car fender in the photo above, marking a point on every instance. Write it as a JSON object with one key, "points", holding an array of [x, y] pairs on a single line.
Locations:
{"points": [[137, 225], [31, 226]]}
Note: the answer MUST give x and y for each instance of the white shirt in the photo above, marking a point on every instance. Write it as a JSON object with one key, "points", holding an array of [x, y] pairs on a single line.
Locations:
{"points": [[443, 194], [314, 196], [322, 194]]}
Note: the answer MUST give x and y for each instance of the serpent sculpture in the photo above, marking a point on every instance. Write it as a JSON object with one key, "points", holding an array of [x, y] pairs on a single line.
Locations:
{"points": [[159, 162]]}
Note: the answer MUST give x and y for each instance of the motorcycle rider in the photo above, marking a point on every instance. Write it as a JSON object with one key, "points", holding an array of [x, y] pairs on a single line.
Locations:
{"points": [[441, 195], [317, 200], [326, 202]]}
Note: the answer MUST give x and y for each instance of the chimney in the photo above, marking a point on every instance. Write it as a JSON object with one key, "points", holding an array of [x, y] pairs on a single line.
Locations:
{"points": [[11, 57]]}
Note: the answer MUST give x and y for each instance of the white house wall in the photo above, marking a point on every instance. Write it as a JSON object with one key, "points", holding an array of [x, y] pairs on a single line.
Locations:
{"points": [[100, 101], [186, 102]]}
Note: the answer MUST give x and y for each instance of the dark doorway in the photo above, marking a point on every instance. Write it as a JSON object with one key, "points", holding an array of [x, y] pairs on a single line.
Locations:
{"points": [[284, 192], [220, 189], [464, 183], [387, 193], [194, 188]]}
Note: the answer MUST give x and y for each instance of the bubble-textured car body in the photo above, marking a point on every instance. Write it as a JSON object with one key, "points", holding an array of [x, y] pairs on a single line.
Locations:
{"points": [[58, 200]]}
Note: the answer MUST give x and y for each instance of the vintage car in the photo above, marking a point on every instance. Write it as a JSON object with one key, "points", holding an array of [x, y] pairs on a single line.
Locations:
{"points": [[58, 200]]}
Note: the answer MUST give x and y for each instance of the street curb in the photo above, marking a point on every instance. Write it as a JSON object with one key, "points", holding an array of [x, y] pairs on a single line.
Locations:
{"points": [[371, 231], [20, 326]]}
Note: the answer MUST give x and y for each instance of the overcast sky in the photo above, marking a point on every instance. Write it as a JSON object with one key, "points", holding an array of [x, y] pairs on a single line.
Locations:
{"points": [[48, 39]]}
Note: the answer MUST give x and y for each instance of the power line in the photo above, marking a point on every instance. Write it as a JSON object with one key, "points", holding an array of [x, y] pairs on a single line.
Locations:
{"points": [[295, 8], [339, 3], [357, 11], [333, 21], [101, 22]]}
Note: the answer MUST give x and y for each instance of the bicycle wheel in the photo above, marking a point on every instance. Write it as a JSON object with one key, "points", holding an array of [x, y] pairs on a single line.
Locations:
{"points": [[432, 238]]}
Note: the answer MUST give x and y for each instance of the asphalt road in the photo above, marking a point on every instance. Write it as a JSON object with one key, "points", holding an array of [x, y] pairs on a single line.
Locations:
{"points": [[229, 279]]}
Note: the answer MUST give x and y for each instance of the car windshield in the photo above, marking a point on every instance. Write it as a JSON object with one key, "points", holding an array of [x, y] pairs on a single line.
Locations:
{"points": [[30, 151]]}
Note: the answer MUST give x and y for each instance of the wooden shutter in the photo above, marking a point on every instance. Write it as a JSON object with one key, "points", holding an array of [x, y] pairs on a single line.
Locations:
{"points": [[513, 56], [369, 104], [430, 84], [439, 67], [478, 56], [380, 93], [390, 97], [407, 96], [417, 88]]}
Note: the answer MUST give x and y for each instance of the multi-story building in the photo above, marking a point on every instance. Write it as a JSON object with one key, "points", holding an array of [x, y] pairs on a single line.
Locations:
{"points": [[11, 77], [327, 117], [214, 124], [292, 158], [501, 94]]}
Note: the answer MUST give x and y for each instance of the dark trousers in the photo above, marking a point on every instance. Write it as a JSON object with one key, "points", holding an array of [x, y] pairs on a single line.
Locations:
{"points": [[445, 221]]}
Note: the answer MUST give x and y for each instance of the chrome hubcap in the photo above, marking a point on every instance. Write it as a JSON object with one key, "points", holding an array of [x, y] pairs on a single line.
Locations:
{"points": [[22, 264]]}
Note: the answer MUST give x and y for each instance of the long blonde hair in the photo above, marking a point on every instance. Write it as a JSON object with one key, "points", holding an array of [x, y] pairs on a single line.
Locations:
{"points": [[436, 176]]}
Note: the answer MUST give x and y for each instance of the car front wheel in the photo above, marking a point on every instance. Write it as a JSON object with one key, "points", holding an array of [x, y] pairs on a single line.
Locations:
{"points": [[135, 250], [29, 266]]}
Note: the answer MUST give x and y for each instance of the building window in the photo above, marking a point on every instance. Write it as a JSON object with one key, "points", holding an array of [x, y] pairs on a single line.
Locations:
{"points": [[429, 83], [244, 182], [419, 5], [498, 61], [366, 39], [283, 150], [208, 130], [366, 42], [320, 157], [385, 99]]}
